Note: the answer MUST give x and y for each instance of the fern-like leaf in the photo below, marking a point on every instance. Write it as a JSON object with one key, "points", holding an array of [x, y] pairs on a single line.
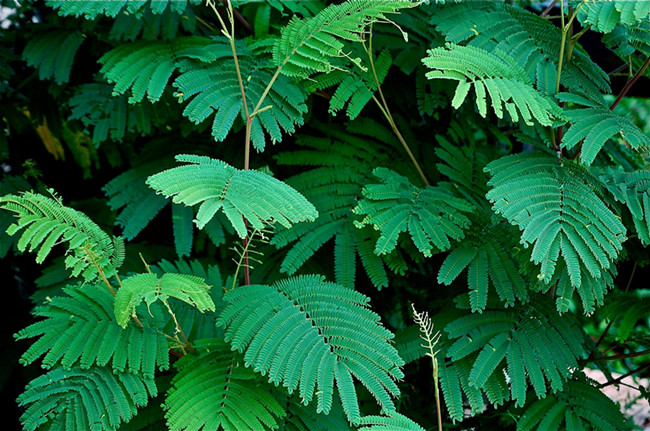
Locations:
{"points": [[77, 399], [305, 418], [46, 222], [308, 45], [342, 164], [554, 203], [146, 66], [580, 406], [605, 16], [633, 190], [112, 117], [196, 324], [307, 333], [431, 215], [354, 88], [138, 203], [213, 391], [252, 195], [393, 422], [150, 25], [52, 53], [149, 288], [592, 127], [9, 185], [214, 89], [94, 8], [538, 343], [529, 39], [79, 329], [495, 75]]}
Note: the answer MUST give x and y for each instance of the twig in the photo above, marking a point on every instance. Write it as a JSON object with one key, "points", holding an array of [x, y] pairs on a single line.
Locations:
{"points": [[622, 356], [240, 18], [619, 379], [548, 9], [388, 115], [630, 83]]}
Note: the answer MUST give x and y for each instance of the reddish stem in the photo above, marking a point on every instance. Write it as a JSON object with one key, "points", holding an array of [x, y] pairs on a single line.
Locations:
{"points": [[548, 9], [630, 83]]}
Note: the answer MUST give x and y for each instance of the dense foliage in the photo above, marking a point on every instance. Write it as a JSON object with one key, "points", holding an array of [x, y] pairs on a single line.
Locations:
{"points": [[329, 168]]}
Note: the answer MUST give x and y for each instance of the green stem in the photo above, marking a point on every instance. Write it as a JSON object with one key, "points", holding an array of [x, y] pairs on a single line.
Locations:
{"points": [[178, 327], [384, 108], [230, 35]]}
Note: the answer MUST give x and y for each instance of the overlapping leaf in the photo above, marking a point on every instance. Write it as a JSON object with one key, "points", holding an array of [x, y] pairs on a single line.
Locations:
{"points": [[46, 222], [306, 334], [556, 206], [149, 288], [308, 45], [77, 399], [535, 345], [80, 330], [213, 88], [432, 215], [253, 195], [213, 390], [94, 8], [493, 74]]}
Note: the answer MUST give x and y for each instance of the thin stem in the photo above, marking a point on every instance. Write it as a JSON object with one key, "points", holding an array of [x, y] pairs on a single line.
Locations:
{"points": [[548, 9], [609, 325], [230, 34], [619, 379], [629, 281], [243, 258], [240, 18], [630, 83], [438, 410], [100, 271], [206, 24], [388, 115], [257, 109], [623, 356], [178, 327], [618, 69], [600, 340]]}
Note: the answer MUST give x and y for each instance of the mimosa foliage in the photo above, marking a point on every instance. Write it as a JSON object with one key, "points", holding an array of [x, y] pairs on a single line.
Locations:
{"points": [[484, 161]]}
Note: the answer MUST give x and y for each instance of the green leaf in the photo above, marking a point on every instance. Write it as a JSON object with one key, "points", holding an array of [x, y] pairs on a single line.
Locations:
{"points": [[46, 222], [79, 329], [250, 195], [506, 83], [212, 390], [303, 332], [432, 215], [76, 399], [556, 205], [149, 288], [309, 45]]}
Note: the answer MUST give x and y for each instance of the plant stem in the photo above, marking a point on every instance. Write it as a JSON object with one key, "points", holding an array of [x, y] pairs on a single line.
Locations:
{"points": [[230, 35], [609, 325], [100, 271], [240, 18], [630, 83], [387, 114], [548, 9], [619, 379], [623, 356], [178, 327]]}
